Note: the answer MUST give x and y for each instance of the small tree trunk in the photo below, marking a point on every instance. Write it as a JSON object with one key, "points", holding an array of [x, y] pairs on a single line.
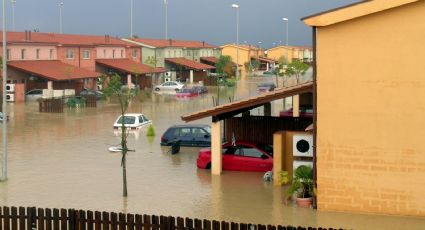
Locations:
{"points": [[277, 80], [124, 173]]}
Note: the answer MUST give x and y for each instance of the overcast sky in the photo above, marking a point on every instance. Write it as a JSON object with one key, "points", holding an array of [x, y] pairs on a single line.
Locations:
{"points": [[213, 21]]}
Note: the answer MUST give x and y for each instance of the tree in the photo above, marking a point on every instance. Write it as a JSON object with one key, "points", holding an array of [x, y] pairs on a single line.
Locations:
{"points": [[252, 65], [297, 69], [225, 65], [124, 95], [279, 70]]}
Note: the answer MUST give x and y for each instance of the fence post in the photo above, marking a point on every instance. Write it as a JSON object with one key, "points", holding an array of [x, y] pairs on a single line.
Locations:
{"points": [[22, 218], [14, 217]]}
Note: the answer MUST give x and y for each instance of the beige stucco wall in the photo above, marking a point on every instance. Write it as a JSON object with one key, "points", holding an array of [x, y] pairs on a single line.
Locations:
{"points": [[371, 113], [244, 55]]}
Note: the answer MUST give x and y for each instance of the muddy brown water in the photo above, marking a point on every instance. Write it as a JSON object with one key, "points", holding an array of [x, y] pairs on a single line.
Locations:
{"points": [[62, 161]]}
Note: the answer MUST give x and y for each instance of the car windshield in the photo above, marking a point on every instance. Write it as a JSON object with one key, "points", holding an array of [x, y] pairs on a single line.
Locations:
{"points": [[208, 129], [128, 120], [266, 148]]}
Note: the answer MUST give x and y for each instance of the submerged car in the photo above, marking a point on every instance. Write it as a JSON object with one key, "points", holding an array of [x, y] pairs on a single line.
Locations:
{"points": [[200, 89], [240, 156], [98, 94], [187, 135], [266, 87], [33, 94], [132, 120], [169, 85], [186, 92]]}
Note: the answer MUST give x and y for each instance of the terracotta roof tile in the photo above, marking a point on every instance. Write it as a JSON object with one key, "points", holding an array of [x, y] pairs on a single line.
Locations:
{"points": [[249, 103], [53, 70], [64, 39], [210, 59], [162, 43], [129, 66], [189, 63]]}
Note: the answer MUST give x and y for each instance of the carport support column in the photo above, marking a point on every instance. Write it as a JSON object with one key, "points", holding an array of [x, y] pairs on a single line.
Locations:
{"points": [[191, 76], [268, 110], [296, 106], [216, 158], [129, 80], [50, 85]]}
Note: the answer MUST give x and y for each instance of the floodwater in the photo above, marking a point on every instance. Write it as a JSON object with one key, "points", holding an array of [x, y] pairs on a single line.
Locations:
{"points": [[62, 161]]}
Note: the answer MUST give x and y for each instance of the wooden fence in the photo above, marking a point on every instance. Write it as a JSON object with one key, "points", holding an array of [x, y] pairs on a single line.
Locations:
{"points": [[90, 100], [54, 105], [32, 218]]}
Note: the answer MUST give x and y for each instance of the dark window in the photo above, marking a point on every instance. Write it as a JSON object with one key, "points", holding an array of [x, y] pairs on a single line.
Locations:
{"points": [[249, 151], [198, 132]]}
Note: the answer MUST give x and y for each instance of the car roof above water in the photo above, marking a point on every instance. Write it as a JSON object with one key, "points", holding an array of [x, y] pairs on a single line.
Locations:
{"points": [[190, 125]]}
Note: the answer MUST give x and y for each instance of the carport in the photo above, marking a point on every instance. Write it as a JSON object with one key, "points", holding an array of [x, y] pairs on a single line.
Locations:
{"points": [[265, 125]]}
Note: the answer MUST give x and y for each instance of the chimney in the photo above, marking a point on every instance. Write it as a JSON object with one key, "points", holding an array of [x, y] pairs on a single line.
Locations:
{"points": [[107, 39], [203, 43], [26, 35], [170, 42], [29, 35]]}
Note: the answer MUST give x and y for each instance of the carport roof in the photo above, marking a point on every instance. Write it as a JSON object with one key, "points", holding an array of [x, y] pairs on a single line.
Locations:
{"points": [[189, 63], [230, 109], [129, 66], [264, 59], [53, 70]]}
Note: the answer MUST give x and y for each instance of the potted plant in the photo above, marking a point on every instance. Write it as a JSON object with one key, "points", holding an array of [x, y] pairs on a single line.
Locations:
{"points": [[303, 186]]}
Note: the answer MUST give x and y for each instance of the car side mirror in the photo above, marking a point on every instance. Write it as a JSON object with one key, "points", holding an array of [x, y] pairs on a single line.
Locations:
{"points": [[264, 157], [207, 136]]}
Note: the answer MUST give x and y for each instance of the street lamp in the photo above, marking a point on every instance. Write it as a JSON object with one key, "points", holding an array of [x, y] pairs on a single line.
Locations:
{"points": [[13, 14], [131, 18], [4, 129], [60, 17], [237, 39], [166, 19], [286, 44]]}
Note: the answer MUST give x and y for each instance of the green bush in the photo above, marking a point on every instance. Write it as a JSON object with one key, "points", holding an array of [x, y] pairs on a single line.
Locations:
{"points": [[74, 101], [151, 131]]}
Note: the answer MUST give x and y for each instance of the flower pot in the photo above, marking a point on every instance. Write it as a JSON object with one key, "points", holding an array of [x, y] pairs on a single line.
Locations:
{"points": [[304, 202]]}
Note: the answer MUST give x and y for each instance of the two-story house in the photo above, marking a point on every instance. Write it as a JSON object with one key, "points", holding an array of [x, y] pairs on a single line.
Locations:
{"points": [[181, 59]]}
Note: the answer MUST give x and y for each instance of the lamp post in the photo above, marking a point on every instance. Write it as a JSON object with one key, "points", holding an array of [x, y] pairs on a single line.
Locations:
{"points": [[4, 126], [13, 14], [131, 18], [166, 19], [286, 40], [237, 39], [60, 17]]}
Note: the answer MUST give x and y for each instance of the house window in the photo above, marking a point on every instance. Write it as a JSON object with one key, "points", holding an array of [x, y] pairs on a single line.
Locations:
{"points": [[86, 54], [180, 53], [37, 54], [70, 54], [22, 54], [104, 53], [51, 54], [113, 53], [134, 53], [175, 53], [169, 53], [122, 53], [8, 54]]}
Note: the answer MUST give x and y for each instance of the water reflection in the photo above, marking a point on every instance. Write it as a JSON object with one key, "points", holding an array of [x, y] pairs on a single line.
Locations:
{"points": [[62, 161]]}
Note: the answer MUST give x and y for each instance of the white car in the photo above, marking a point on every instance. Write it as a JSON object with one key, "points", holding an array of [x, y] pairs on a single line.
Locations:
{"points": [[132, 121], [33, 94], [169, 85]]}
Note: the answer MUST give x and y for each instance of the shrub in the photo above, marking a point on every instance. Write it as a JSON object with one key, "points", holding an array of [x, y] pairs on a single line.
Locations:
{"points": [[151, 131]]}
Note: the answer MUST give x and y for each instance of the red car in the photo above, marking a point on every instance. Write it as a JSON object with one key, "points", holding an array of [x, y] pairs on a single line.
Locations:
{"points": [[243, 156], [186, 92]]}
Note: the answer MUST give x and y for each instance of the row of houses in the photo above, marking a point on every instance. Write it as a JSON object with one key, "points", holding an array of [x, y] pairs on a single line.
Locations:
{"points": [[267, 58], [68, 61]]}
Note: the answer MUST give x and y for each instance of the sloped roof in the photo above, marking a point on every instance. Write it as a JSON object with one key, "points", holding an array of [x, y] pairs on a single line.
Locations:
{"points": [[210, 59], [236, 107], [264, 59], [189, 63], [162, 43], [64, 39], [53, 70], [129, 66], [352, 11]]}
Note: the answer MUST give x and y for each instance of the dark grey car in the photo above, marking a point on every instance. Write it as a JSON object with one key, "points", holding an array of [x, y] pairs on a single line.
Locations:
{"points": [[188, 135]]}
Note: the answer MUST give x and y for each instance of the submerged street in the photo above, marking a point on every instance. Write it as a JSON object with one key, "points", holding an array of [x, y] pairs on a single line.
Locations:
{"points": [[62, 161]]}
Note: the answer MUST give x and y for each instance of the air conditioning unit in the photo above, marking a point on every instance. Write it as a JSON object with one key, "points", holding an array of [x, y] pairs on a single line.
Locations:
{"points": [[303, 145], [167, 79], [10, 88], [10, 97], [168, 74]]}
